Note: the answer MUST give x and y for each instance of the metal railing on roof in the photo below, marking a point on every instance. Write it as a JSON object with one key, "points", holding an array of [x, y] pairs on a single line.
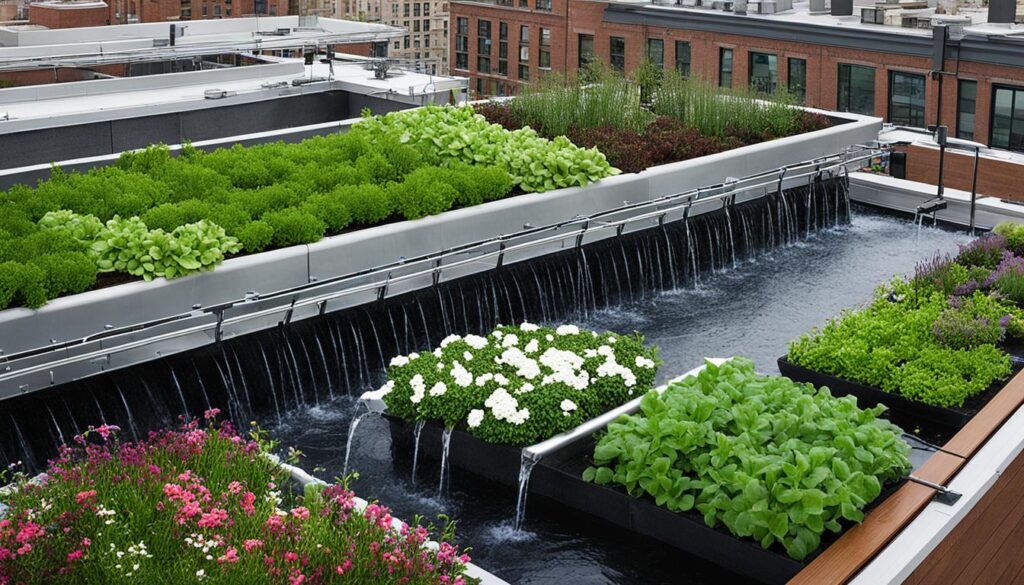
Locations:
{"points": [[380, 279]]}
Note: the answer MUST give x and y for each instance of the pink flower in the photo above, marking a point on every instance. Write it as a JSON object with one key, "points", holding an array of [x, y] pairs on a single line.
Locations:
{"points": [[235, 487], [291, 557], [25, 549], [229, 556], [86, 542], [83, 497], [75, 555], [344, 567], [247, 503], [252, 544], [214, 518], [211, 414], [188, 511], [274, 524], [296, 579], [302, 513]]}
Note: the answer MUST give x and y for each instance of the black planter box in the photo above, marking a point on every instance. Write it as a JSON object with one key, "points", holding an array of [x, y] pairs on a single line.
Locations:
{"points": [[558, 477], [904, 409]]}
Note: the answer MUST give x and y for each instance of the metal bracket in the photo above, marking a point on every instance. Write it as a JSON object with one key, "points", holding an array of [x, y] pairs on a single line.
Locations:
{"points": [[436, 275], [321, 308], [218, 333], [501, 254], [383, 290], [288, 314], [619, 230], [943, 495], [782, 175], [661, 220], [579, 237]]}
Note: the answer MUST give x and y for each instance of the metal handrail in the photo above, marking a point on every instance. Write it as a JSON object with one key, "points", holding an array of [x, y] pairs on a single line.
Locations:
{"points": [[587, 225]]}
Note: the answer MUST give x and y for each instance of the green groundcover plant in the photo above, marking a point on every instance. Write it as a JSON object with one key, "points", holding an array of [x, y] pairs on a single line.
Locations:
{"points": [[934, 338], [203, 505], [771, 459], [519, 384]]}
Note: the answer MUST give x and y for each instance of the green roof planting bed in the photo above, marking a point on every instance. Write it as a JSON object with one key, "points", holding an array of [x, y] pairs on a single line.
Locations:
{"points": [[153, 215]]}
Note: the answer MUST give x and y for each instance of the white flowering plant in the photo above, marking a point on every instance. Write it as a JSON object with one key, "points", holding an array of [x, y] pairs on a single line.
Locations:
{"points": [[520, 384]]}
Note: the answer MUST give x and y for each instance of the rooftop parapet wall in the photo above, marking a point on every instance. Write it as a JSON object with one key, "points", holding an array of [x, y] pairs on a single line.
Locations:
{"points": [[96, 311]]}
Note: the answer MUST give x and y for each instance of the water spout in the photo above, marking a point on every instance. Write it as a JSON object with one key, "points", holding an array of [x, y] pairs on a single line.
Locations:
{"points": [[351, 435], [446, 443], [416, 447], [525, 468]]}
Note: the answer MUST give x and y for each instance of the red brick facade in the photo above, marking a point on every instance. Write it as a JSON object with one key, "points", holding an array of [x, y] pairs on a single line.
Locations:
{"points": [[129, 11], [68, 15]]}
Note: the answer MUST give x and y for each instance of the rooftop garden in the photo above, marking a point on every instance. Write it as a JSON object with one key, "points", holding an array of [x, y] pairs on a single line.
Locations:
{"points": [[656, 117], [520, 384], [203, 504], [938, 338]]}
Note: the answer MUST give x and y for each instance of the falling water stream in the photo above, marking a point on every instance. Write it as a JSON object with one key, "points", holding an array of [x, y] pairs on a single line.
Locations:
{"points": [[417, 433], [705, 287], [525, 467]]}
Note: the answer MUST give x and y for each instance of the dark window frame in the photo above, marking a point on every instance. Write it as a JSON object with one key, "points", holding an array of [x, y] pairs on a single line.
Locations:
{"points": [[915, 116], [722, 71], [961, 131]]}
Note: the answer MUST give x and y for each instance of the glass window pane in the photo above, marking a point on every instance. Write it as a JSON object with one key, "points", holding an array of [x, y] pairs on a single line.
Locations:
{"points": [[856, 89], [683, 57], [1002, 109], [656, 52], [906, 99], [764, 72], [725, 67], [967, 98], [617, 53], [798, 79], [586, 50]]}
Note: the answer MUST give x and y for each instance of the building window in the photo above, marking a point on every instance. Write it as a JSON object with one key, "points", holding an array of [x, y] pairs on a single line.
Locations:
{"points": [[524, 34], [966, 104], [617, 53], [461, 43], [906, 99], [656, 52], [683, 58], [1007, 118], [856, 91], [544, 60], [483, 46], [725, 67], [524, 52], [585, 46], [416, 10], [798, 79], [503, 48], [544, 5], [524, 71], [764, 72]]}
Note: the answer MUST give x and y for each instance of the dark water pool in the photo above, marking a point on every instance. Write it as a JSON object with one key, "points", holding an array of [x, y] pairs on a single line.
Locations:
{"points": [[753, 310]]}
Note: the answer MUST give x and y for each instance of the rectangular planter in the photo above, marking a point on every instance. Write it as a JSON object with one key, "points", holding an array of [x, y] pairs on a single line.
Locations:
{"points": [[909, 411], [558, 477]]}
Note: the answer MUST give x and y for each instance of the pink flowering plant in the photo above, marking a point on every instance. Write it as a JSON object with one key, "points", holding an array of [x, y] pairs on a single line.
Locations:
{"points": [[203, 504]]}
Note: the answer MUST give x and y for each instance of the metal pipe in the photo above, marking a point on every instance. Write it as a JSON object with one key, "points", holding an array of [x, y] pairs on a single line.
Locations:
{"points": [[974, 186]]}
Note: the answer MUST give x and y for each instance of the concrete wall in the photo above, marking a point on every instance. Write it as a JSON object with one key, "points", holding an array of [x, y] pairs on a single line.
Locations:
{"points": [[87, 313]]}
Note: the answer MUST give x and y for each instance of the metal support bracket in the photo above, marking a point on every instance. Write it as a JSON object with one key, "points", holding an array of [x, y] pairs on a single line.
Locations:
{"points": [[435, 276], [383, 290], [782, 175], [321, 308], [579, 237], [501, 254], [218, 333], [288, 314], [943, 495]]}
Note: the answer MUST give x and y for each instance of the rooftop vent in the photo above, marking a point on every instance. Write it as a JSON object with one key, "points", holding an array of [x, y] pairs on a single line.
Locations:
{"points": [[842, 7], [215, 94], [1002, 11]]}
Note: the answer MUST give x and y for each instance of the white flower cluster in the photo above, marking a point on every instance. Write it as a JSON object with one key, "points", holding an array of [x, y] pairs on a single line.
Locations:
{"points": [[476, 416], [525, 366], [610, 367], [528, 327], [475, 341], [461, 375], [102, 511], [566, 367], [505, 407], [134, 553], [642, 362], [567, 330], [419, 388], [567, 407], [381, 392], [438, 389]]}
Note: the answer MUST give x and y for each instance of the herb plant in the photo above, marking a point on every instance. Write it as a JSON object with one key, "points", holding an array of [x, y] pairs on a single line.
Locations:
{"points": [[770, 459]]}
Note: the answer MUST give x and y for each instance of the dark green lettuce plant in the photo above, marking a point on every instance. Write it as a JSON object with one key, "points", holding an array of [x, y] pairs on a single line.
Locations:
{"points": [[772, 460]]}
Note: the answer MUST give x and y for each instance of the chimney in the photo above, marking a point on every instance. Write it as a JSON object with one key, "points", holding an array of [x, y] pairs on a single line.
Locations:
{"points": [[1004, 11], [845, 7]]}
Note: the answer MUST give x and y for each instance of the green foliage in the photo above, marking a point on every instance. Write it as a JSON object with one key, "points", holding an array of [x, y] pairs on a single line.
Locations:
{"points": [[22, 285], [1014, 234], [772, 460], [295, 226], [329, 209], [519, 385], [892, 345], [66, 272], [256, 236], [423, 192], [449, 135], [369, 204]]}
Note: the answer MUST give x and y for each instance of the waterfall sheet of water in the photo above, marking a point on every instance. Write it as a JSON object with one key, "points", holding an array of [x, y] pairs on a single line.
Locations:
{"points": [[525, 468], [446, 443], [416, 447], [351, 436]]}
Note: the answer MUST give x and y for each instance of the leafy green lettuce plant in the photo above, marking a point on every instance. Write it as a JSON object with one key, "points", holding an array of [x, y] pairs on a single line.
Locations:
{"points": [[449, 135], [770, 459]]}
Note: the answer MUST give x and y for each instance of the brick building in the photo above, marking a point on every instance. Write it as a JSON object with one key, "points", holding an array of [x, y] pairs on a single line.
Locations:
{"points": [[78, 13], [425, 45], [832, 61]]}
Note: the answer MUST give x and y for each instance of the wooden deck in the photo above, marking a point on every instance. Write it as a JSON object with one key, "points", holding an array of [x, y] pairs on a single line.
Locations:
{"points": [[985, 548]]}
